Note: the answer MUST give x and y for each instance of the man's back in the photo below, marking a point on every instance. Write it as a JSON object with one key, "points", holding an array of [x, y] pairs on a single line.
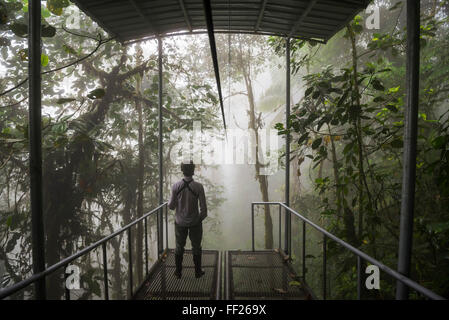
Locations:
{"points": [[185, 195]]}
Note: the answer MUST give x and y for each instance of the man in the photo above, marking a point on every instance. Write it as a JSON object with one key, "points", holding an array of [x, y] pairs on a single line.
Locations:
{"points": [[185, 196]]}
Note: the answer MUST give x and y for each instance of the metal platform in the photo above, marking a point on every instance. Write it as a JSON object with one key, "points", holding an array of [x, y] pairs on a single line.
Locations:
{"points": [[161, 284], [262, 275]]}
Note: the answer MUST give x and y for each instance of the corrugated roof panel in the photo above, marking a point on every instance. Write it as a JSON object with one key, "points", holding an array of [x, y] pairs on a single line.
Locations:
{"points": [[134, 19]]}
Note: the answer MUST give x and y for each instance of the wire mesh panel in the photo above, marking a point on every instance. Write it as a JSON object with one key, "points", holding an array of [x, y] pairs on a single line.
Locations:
{"points": [[161, 282], [262, 275]]}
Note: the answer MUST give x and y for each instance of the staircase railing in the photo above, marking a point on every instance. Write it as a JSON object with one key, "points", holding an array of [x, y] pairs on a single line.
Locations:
{"points": [[6, 292], [361, 256]]}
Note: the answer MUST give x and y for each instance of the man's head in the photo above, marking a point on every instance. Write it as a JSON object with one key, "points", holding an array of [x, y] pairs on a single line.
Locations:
{"points": [[188, 169]]}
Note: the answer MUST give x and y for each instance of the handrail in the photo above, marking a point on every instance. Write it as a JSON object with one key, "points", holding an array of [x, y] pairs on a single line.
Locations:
{"points": [[35, 277], [360, 254]]}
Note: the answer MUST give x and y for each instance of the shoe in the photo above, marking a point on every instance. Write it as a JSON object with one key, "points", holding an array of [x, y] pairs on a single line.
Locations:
{"points": [[197, 261], [178, 262], [199, 274]]}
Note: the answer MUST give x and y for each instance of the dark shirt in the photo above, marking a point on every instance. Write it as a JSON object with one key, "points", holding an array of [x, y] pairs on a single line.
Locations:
{"points": [[186, 203]]}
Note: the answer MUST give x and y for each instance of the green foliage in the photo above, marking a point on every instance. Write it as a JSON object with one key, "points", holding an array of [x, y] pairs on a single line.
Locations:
{"points": [[89, 137], [57, 6], [97, 93], [351, 133]]}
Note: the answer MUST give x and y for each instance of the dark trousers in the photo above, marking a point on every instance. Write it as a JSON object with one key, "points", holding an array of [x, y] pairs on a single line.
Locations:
{"points": [[195, 234]]}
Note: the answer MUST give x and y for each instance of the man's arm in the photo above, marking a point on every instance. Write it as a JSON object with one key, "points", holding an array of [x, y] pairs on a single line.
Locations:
{"points": [[173, 201], [203, 205]]}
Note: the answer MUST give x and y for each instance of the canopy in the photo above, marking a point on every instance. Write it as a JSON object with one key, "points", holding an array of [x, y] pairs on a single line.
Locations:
{"points": [[130, 20]]}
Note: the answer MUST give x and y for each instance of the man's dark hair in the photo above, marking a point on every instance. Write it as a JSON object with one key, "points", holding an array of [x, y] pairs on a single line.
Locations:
{"points": [[188, 169]]}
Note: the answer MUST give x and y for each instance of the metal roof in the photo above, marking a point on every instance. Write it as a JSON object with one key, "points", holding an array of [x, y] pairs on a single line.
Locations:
{"points": [[130, 20]]}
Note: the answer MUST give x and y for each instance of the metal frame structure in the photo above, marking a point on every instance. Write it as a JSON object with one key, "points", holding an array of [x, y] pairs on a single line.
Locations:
{"points": [[304, 20], [319, 20], [257, 275], [129, 20], [162, 284], [213, 50], [359, 254], [160, 143], [35, 136], [287, 147], [410, 145], [39, 277]]}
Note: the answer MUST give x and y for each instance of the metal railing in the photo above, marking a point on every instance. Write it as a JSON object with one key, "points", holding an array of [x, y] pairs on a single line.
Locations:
{"points": [[361, 256], [6, 292]]}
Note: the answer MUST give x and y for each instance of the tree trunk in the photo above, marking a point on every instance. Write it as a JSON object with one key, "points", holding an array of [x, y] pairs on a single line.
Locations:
{"points": [[335, 167], [262, 179], [140, 176], [358, 129]]}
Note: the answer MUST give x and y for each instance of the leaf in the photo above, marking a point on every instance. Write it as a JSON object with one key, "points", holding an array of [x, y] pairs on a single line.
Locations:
{"points": [[9, 221], [308, 91], [377, 85], [379, 99], [48, 31], [68, 49], [392, 108], [348, 147], [295, 284], [317, 143], [394, 89], [3, 15], [303, 138], [97, 93], [44, 60], [64, 100], [397, 143], [56, 6], [19, 29], [358, 28], [23, 53], [439, 142], [4, 42], [212, 98], [439, 227], [45, 13]]}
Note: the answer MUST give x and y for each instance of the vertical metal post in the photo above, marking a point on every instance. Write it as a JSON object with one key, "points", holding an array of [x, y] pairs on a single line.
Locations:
{"points": [[304, 251], [280, 227], [324, 266], [166, 226], [287, 150], [252, 226], [130, 264], [410, 138], [146, 245], [158, 234], [161, 177], [67, 291], [105, 271], [359, 278], [35, 141]]}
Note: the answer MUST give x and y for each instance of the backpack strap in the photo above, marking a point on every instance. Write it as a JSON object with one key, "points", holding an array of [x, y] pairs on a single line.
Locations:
{"points": [[186, 185]]}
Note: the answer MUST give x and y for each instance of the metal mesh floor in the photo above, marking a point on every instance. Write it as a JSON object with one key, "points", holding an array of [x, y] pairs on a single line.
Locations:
{"points": [[161, 282], [261, 275]]}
